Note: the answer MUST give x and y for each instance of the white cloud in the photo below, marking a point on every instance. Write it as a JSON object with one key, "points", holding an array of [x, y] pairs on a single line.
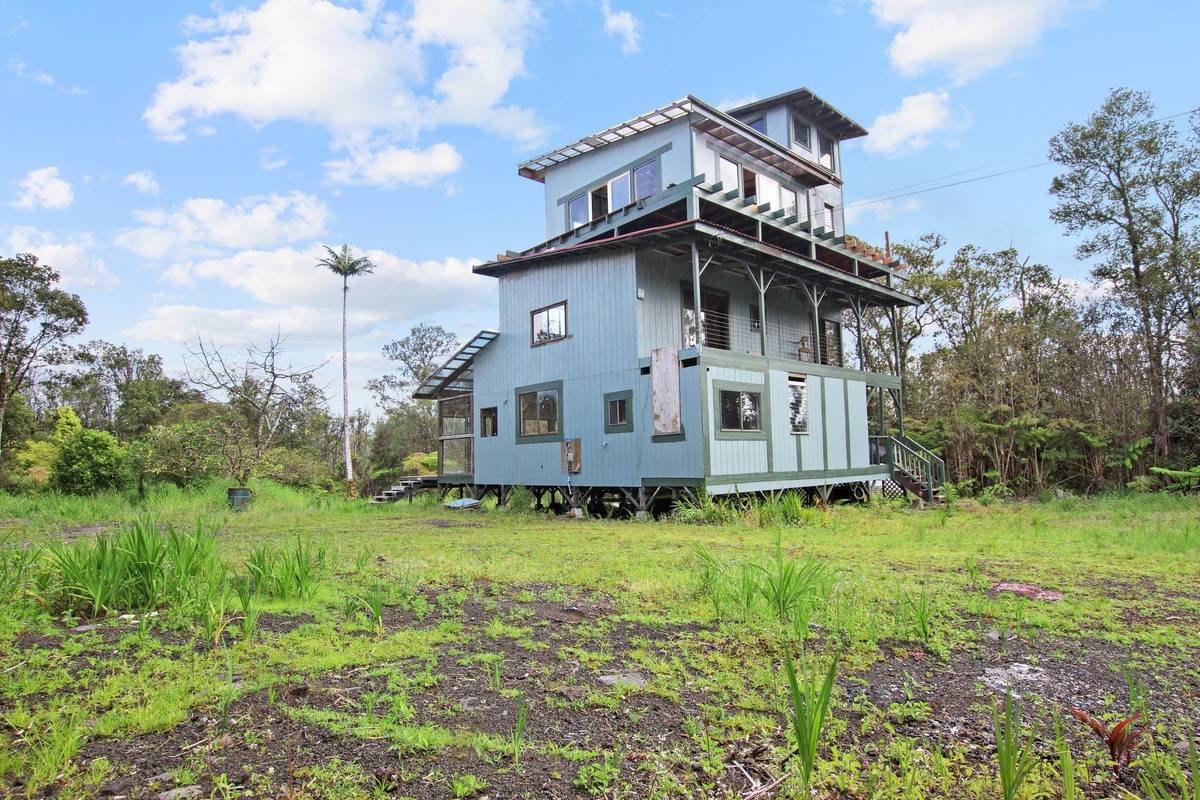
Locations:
{"points": [[359, 72], [42, 188], [623, 25], [881, 210], [392, 165], [142, 181], [303, 300], [967, 39], [204, 225], [23, 70], [271, 158], [70, 256], [908, 128]]}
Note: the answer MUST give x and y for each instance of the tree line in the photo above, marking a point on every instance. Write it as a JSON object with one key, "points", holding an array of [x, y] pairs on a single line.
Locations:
{"points": [[1025, 382]]}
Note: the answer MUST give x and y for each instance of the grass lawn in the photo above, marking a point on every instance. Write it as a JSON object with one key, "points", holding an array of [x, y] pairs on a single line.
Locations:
{"points": [[310, 647]]}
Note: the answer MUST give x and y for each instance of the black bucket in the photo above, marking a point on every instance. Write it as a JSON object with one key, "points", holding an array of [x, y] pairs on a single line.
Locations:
{"points": [[239, 498]]}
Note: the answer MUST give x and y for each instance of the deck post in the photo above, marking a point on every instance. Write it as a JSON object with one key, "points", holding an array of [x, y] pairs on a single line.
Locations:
{"points": [[696, 295], [898, 320]]}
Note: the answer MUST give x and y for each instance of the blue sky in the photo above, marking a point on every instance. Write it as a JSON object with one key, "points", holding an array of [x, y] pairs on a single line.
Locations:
{"points": [[180, 162]]}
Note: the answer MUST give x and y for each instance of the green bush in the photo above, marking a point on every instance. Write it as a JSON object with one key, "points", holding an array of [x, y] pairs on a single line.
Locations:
{"points": [[294, 468], [88, 461]]}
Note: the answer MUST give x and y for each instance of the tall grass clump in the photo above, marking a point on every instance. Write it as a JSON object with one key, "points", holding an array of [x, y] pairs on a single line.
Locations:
{"points": [[783, 589], [810, 701], [138, 569], [787, 585], [705, 510], [284, 574], [1015, 756]]}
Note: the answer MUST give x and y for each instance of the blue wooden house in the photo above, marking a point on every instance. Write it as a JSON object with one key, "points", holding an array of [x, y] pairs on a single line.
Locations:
{"points": [[686, 324]]}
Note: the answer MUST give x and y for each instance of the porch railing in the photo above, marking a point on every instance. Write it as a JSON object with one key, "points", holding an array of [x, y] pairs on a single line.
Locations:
{"points": [[910, 462], [742, 334]]}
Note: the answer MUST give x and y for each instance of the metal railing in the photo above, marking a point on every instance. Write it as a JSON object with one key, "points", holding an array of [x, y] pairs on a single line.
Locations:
{"points": [[741, 334]]}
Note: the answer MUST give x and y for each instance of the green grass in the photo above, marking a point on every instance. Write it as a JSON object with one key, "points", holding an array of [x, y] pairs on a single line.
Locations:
{"points": [[855, 582]]}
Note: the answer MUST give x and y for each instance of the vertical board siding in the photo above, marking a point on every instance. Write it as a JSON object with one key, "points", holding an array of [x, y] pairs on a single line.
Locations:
{"points": [[835, 422], [856, 392], [783, 441]]}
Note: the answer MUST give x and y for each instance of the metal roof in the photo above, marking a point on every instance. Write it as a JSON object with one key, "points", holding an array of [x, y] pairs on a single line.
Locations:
{"points": [[534, 167], [708, 119], [821, 112], [445, 375]]}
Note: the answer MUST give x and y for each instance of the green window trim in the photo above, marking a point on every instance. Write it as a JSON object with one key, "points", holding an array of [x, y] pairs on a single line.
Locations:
{"points": [[764, 411], [627, 425], [541, 437]]}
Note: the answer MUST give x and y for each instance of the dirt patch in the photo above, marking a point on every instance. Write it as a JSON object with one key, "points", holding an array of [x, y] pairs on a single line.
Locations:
{"points": [[82, 531], [282, 623], [452, 523]]}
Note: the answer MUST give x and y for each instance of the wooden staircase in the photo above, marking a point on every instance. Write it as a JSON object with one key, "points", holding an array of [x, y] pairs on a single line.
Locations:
{"points": [[406, 488], [915, 468]]}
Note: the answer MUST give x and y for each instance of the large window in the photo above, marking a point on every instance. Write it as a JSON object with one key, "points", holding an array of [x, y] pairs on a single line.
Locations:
{"points": [[578, 211], [539, 413], [741, 411], [618, 191], [826, 157], [830, 218], [455, 416], [599, 202], [798, 403], [645, 180], [768, 191], [801, 132], [787, 201], [548, 324], [489, 420], [759, 124], [730, 175]]}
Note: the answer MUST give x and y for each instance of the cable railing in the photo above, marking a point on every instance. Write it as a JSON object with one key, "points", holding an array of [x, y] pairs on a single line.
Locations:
{"points": [[743, 334]]}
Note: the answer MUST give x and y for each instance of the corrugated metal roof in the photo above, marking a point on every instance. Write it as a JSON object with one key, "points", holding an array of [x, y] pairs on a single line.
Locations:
{"points": [[444, 375]]}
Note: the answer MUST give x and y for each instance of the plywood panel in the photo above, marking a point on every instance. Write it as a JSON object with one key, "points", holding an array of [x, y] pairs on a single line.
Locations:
{"points": [[664, 391]]}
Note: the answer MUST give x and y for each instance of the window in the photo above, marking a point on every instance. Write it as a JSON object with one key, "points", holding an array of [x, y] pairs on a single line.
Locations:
{"points": [[801, 132], [787, 201], [798, 403], [618, 411], [539, 413], [830, 217], [488, 421], [599, 202], [831, 342], [749, 183], [740, 411], [826, 157], [618, 192], [755, 319], [645, 180], [548, 324], [759, 124], [768, 191], [577, 211], [729, 173]]}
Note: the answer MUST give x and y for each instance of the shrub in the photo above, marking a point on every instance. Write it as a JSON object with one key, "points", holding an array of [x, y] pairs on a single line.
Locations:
{"points": [[420, 464], [88, 461], [182, 454], [295, 468]]}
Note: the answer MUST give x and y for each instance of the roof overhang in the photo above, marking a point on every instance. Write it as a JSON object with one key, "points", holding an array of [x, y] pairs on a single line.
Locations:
{"points": [[445, 376], [821, 112], [703, 117], [735, 247]]}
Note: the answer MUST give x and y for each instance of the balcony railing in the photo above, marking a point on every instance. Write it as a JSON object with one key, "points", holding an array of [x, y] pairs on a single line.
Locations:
{"points": [[744, 335]]}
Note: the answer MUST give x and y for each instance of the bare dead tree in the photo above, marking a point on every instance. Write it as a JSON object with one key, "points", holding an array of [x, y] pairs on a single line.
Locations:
{"points": [[257, 389]]}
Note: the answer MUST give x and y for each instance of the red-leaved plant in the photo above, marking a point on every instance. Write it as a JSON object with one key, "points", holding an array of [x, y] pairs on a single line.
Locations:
{"points": [[1121, 738]]}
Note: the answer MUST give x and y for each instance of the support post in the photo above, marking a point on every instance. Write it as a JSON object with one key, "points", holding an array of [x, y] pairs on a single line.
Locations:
{"points": [[762, 314], [897, 321], [857, 307], [696, 295]]}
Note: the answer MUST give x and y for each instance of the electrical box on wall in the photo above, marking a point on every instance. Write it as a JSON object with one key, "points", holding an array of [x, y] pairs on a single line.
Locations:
{"points": [[572, 456]]}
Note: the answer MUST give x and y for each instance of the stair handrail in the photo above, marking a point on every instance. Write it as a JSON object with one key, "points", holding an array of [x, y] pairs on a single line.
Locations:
{"points": [[936, 467]]}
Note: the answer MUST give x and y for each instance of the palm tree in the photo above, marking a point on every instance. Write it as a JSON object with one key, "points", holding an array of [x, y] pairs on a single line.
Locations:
{"points": [[343, 262]]}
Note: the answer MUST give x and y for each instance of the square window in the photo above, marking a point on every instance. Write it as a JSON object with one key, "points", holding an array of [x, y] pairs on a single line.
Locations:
{"points": [[618, 412], [741, 411], [787, 201], [539, 412], [759, 124], [577, 211], [618, 191], [645, 180], [798, 403], [548, 324], [488, 421]]}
